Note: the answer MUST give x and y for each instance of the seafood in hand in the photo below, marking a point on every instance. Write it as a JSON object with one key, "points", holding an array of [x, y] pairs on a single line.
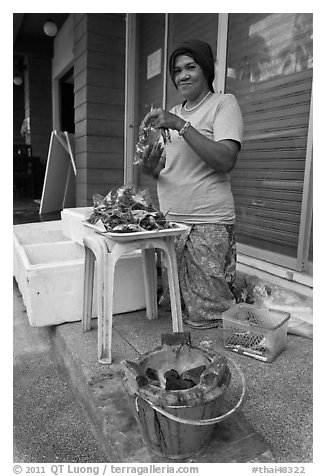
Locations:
{"points": [[149, 137]]}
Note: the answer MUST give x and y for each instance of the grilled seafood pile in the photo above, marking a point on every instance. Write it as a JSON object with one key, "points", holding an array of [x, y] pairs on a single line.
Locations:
{"points": [[127, 210]]}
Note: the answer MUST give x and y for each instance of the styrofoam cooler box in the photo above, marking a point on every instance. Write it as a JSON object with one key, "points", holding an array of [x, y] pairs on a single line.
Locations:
{"points": [[50, 276], [72, 223], [31, 233]]}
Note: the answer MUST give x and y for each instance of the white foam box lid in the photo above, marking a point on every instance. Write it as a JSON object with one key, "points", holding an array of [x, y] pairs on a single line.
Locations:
{"points": [[49, 270], [72, 223]]}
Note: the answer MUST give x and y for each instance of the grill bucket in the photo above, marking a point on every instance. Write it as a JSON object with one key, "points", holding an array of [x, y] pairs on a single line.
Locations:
{"points": [[182, 431], [168, 437]]}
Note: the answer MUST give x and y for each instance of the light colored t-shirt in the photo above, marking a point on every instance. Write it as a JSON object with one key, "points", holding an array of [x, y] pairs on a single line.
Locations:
{"points": [[190, 190]]}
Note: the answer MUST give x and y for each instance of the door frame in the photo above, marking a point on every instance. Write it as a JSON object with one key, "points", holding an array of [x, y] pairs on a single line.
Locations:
{"points": [[130, 97]]}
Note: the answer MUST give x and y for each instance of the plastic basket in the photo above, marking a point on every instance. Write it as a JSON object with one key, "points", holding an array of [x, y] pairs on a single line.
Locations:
{"points": [[256, 332]]}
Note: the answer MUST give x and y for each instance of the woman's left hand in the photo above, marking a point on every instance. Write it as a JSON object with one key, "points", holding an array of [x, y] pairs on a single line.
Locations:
{"points": [[159, 118]]}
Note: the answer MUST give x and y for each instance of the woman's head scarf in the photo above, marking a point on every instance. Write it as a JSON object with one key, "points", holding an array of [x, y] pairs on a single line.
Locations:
{"points": [[201, 52]]}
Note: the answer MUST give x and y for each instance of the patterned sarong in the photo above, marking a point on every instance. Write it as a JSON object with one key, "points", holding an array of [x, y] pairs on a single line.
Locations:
{"points": [[206, 258]]}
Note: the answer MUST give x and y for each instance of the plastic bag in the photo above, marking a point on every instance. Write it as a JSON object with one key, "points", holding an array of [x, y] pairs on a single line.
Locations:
{"points": [[149, 136], [259, 292]]}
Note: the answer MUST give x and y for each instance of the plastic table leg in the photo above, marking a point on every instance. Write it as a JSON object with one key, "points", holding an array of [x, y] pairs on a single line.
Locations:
{"points": [[173, 280], [150, 281], [107, 253], [88, 288]]}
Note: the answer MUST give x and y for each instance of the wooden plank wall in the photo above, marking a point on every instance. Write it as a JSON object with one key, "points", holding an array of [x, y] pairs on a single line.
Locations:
{"points": [[99, 52], [38, 104]]}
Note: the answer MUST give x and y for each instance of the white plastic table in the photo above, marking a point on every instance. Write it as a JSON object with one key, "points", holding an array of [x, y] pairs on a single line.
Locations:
{"points": [[107, 252]]}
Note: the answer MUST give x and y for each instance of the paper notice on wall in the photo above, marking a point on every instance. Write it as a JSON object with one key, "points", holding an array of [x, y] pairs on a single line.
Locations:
{"points": [[154, 63]]}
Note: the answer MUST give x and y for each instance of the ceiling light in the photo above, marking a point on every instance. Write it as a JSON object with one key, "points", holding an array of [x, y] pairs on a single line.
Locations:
{"points": [[18, 80], [50, 28]]}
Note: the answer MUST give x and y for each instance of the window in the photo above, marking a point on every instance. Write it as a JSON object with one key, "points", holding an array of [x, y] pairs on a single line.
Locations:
{"points": [[269, 70]]}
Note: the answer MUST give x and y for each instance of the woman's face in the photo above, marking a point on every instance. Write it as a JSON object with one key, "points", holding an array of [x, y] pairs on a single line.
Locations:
{"points": [[189, 77]]}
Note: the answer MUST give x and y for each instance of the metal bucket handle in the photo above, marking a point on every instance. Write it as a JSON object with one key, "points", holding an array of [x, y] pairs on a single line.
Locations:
{"points": [[209, 421]]}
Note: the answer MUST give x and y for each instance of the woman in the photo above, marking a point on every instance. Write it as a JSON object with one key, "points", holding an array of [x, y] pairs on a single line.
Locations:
{"points": [[193, 182]]}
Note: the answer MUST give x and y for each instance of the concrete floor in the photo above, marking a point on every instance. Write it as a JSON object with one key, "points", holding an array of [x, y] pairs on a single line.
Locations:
{"points": [[49, 422], [273, 425], [277, 408]]}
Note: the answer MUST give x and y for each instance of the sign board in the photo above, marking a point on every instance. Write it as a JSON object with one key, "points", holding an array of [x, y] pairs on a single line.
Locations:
{"points": [[154, 63], [59, 181]]}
